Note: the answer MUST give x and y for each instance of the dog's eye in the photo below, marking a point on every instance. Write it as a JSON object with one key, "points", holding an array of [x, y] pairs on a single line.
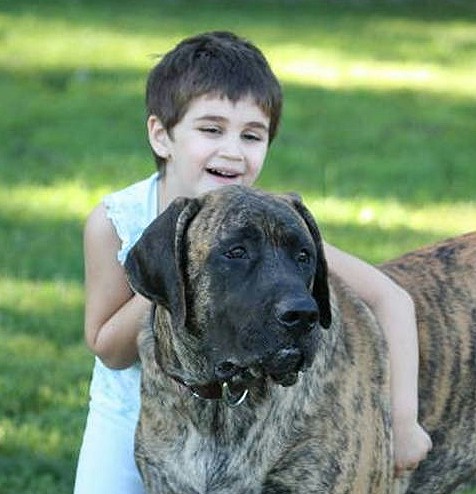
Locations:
{"points": [[237, 253], [304, 257]]}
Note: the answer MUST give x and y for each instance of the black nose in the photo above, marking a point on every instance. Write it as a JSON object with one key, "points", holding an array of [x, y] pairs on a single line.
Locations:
{"points": [[299, 315]]}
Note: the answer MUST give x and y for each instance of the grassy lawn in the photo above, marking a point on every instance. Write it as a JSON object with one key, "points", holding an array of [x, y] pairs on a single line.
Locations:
{"points": [[377, 135]]}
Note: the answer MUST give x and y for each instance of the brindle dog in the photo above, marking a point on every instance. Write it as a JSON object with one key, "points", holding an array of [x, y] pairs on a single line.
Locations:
{"points": [[262, 373]]}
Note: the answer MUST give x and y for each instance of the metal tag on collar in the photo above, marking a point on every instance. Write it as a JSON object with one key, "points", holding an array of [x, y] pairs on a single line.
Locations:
{"points": [[231, 400]]}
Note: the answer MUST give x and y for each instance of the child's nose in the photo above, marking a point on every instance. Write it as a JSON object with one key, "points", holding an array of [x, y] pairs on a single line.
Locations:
{"points": [[232, 148]]}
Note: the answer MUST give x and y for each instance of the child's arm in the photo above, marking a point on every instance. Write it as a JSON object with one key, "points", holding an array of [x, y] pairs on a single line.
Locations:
{"points": [[395, 312], [113, 313]]}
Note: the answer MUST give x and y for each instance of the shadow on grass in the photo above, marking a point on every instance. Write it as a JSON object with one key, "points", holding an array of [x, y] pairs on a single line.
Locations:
{"points": [[59, 325], [412, 146], [30, 473], [50, 250], [42, 249], [267, 19]]}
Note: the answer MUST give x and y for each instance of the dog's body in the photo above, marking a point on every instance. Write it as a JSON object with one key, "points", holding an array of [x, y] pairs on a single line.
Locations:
{"points": [[240, 284], [442, 282]]}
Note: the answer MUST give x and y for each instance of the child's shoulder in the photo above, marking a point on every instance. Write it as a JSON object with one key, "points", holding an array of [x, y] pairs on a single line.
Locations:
{"points": [[98, 228], [136, 191], [135, 202], [124, 215]]}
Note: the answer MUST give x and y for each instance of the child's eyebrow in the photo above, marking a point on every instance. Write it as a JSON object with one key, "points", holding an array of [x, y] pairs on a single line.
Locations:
{"points": [[219, 119]]}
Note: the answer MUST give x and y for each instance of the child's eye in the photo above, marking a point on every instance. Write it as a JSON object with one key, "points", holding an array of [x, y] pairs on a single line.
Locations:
{"points": [[210, 130], [251, 136]]}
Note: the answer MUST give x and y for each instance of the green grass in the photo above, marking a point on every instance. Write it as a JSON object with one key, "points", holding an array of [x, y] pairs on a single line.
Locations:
{"points": [[377, 135]]}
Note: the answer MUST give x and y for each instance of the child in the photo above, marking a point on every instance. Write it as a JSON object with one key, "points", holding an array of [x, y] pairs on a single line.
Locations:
{"points": [[213, 110]]}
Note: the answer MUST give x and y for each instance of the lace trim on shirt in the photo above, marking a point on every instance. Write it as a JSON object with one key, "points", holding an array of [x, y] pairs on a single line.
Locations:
{"points": [[131, 210]]}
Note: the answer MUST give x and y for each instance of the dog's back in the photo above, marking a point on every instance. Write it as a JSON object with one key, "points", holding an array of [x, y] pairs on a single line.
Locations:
{"points": [[442, 282]]}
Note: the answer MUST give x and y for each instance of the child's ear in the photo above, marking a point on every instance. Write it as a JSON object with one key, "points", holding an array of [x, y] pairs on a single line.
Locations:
{"points": [[158, 137]]}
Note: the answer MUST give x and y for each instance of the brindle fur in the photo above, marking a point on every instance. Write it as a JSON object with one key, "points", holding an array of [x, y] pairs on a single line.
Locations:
{"points": [[442, 282], [330, 432]]}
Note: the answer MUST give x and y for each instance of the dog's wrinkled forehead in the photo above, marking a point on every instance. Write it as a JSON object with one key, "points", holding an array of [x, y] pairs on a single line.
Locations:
{"points": [[235, 210]]}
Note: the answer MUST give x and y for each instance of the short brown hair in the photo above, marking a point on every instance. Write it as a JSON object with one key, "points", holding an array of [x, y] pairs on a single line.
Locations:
{"points": [[218, 63]]}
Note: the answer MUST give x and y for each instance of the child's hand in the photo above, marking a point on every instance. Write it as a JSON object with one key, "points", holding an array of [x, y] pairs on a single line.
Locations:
{"points": [[411, 445]]}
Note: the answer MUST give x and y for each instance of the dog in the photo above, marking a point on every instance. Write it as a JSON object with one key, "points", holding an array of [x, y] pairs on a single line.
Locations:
{"points": [[263, 372]]}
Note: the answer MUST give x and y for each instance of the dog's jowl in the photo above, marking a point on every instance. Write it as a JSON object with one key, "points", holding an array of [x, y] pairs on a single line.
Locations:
{"points": [[264, 373]]}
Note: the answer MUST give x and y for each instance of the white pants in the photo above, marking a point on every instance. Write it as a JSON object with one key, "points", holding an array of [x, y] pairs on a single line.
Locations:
{"points": [[106, 462]]}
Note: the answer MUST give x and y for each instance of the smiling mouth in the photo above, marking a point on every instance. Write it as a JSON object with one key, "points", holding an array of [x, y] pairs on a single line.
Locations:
{"points": [[217, 172]]}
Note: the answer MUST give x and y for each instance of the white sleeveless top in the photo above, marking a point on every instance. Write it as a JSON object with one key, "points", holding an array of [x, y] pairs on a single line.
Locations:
{"points": [[131, 210]]}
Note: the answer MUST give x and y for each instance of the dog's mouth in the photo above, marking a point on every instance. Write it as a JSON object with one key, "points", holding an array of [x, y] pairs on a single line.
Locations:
{"points": [[232, 382], [282, 368]]}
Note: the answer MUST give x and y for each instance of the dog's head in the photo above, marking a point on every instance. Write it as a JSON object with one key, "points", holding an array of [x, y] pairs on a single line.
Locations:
{"points": [[244, 273]]}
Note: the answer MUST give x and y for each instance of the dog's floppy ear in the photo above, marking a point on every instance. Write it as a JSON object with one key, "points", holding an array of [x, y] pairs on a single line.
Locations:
{"points": [[154, 265], [320, 290]]}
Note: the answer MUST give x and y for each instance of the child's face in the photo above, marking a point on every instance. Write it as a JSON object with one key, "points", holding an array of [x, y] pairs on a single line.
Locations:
{"points": [[216, 143]]}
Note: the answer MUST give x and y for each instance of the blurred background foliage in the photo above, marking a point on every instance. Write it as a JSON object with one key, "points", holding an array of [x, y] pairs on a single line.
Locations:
{"points": [[377, 136]]}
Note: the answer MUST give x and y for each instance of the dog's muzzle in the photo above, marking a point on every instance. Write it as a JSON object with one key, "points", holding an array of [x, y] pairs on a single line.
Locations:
{"points": [[282, 367], [295, 318]]}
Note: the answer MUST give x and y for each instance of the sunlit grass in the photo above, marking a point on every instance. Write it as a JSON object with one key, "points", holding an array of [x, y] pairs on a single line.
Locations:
{"points": [[32, 42], [71, 200], [413, 54], [407, 54], [44, 297], [377, 136], [440, 220], [32, 436], [373, 74], [67, 200], [43, 383], [376, 230]]}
